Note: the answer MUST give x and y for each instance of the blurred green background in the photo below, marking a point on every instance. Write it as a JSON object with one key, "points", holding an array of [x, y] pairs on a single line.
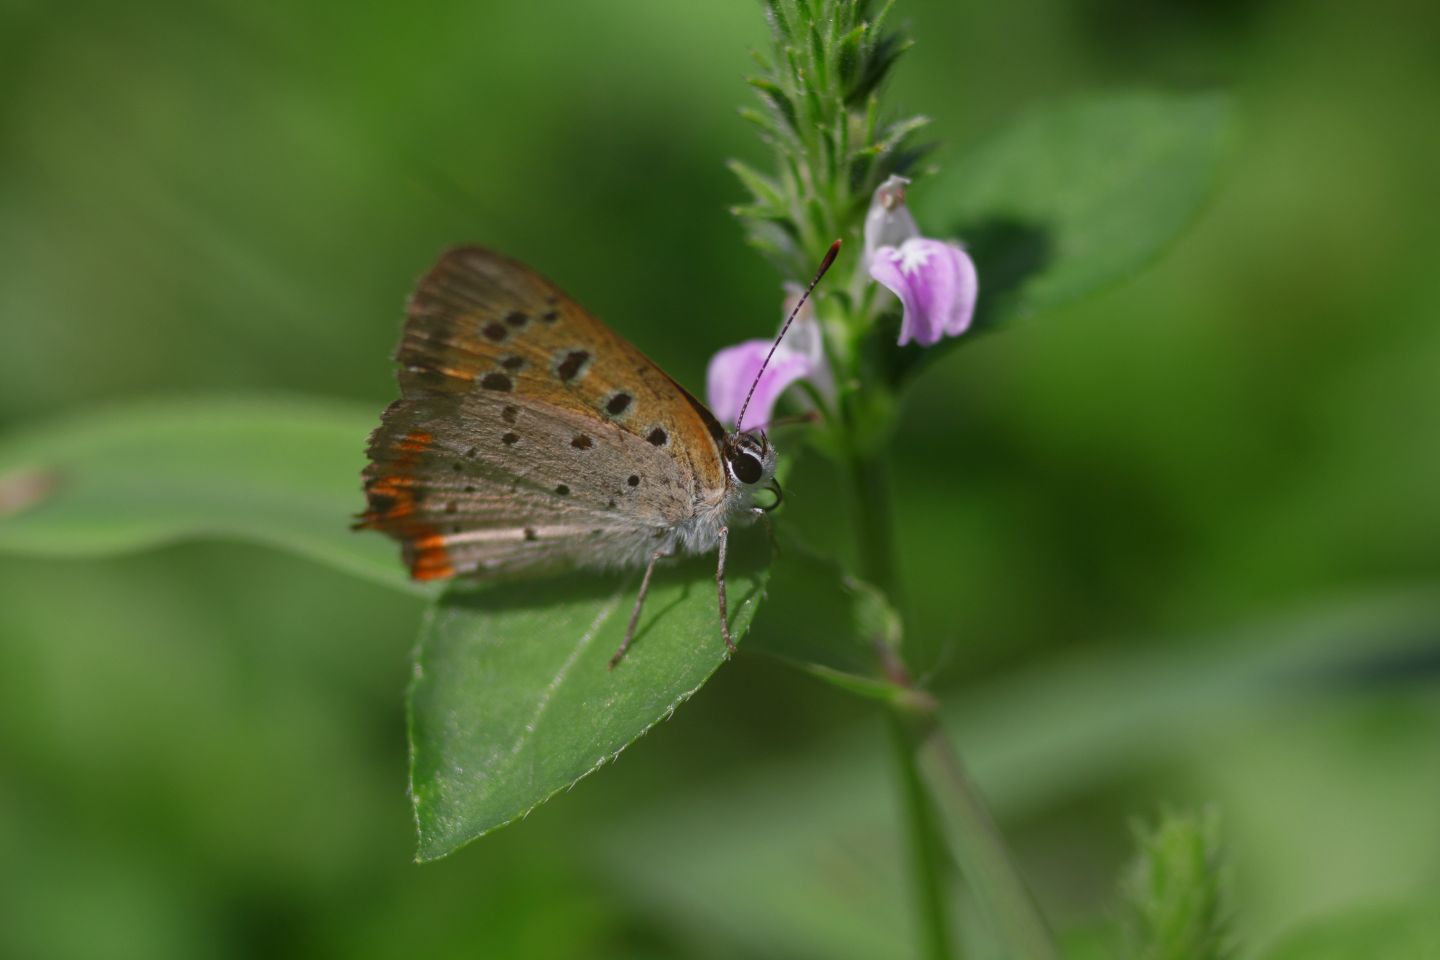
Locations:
{"points": [[1120, 522]]}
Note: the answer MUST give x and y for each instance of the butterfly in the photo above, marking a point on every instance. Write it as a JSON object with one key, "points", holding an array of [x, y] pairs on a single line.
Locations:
{"points": [[529, 437]]}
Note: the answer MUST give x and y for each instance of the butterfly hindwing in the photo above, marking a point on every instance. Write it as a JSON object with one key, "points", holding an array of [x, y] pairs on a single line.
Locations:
{"points": [[529, 435]]}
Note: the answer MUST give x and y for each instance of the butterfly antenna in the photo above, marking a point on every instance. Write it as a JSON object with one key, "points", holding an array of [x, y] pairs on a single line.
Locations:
{"points": [[830, 256]]}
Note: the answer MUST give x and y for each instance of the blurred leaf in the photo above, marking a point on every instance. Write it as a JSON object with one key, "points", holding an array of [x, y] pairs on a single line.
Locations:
{"points": [[1075, 198], [1395, 932], [285, 473], [824, 621], [1175, 891], [810, 861], [514, 700]]}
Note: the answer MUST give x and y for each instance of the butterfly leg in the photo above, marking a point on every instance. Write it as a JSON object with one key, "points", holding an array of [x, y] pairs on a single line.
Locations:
{"points": [[764, 517], [655, 558], [720, 591]]}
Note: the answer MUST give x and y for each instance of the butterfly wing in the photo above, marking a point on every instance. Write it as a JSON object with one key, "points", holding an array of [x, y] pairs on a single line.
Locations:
{"points": [[529, 435]]}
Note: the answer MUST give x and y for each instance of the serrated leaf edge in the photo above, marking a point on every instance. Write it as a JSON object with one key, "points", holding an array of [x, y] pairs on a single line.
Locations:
{"points": [[744, 615]]}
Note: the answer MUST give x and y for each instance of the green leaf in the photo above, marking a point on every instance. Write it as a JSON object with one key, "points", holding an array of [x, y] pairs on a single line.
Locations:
{"points": [[778, 20], [848, 56], [779, 102], [1408, 931], [762, 188], [817, 58], [1075, 198], [822, 620], [895, 134], [281, 472], [513, 698], [764, 121]]}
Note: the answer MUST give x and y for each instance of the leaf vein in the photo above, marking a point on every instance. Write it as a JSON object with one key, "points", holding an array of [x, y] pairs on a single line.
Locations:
{"points": [[549, 692]]}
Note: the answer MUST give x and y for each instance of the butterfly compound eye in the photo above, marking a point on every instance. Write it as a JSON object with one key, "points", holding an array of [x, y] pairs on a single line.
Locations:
{"points": [[746, 468]]}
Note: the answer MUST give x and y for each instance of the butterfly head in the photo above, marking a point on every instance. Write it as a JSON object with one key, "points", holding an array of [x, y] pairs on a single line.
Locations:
{"points": [[750, 464], [749, 457]]}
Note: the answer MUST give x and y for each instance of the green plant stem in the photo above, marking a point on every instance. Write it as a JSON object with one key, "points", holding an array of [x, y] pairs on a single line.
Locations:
{"points": [[977, 845], [930, 881], [942, 805], [931, 888], [877, 528]]}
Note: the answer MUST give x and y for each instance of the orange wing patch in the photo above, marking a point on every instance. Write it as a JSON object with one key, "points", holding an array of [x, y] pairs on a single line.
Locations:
{"points": [[392, 497], [429, 559]]}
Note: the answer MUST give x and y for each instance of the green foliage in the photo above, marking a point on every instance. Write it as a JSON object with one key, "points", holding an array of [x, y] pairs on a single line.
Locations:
{"points": [[1396, 931], [285, 473], [1175, 892], [1072, 199], [514, 699], [833, 625], [811, 864], [822, 116], [1067, 202], [199, 744]]}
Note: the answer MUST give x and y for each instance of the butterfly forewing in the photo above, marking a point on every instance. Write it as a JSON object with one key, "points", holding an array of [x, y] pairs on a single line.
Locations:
{"points": [[528, 434]]}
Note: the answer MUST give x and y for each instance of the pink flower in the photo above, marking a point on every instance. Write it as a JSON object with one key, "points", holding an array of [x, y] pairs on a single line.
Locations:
{"points": [[934, 279], [936, 284], [800, 356]]}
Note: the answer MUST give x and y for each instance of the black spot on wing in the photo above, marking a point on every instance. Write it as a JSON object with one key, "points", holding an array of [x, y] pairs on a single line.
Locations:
{"points": [[572, 364]]}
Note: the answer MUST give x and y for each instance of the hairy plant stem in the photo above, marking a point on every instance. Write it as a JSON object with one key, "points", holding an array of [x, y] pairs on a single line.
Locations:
{"points": [[943, 807]]}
